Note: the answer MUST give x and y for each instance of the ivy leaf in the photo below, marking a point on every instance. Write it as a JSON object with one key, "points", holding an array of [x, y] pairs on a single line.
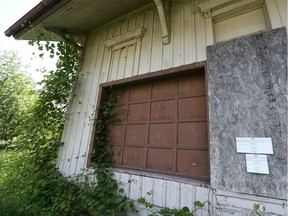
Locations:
{"points": [[199, 204]]}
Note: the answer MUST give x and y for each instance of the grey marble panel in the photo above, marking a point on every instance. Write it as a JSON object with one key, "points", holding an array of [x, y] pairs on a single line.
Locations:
{"points": [[247, 89]]}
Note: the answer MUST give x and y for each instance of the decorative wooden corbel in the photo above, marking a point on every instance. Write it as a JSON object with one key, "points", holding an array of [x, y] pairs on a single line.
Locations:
{"points": [[163, 12]]}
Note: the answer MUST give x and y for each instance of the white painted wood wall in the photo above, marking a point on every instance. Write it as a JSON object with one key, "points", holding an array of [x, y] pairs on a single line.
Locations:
{"points": [[190, 34]]}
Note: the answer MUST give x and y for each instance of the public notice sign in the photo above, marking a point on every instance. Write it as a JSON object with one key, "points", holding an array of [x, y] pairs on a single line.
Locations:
{"points": [[254, 145], [257, 164]]}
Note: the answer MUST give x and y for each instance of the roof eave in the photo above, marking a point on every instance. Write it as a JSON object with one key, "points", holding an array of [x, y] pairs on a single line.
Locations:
{"points": [[37, 14]]}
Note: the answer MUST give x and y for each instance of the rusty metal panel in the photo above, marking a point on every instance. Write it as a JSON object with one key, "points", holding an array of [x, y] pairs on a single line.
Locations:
{"points": [[192, 134], [194, 84], [193, 107], [134, 157], [137, 112], [116, 134], [160, 159], [193, 162], [117, 150], [140, 93], [163, 89], [164, 128], [162, 110], [161, 134], [123, 97], [120, 112], [136, 134]]}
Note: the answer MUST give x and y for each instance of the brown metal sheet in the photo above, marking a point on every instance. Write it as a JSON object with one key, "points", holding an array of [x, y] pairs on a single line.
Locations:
{"points": [[136, 134], [162, 110], [193, 162], [160, 159], [138, 112], [120, 113], [123, 96], [117, 154], [164, 128], [164, 89], [116, 134], [140, 93], [134, 157], [192, 134], [193, 107], [161, 134], [193, 84]]}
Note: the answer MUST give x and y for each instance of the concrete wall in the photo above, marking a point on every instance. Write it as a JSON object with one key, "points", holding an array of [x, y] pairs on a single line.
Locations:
{"points": [[247, 88]]}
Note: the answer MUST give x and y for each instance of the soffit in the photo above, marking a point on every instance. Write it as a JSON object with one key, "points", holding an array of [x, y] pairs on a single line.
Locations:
{"points": [[85, 15], [82, 16]]}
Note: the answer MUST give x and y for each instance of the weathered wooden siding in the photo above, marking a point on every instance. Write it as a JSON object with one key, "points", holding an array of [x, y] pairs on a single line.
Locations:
{"points": [[190, 34], [188, 44]]}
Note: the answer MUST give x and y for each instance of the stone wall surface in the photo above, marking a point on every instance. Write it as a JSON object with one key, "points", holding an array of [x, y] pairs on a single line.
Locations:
{"points": [[247, 90]]}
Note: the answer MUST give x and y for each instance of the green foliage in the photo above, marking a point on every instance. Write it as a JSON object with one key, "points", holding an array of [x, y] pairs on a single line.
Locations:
{"points": [[156, 211], [111, 198], [29, 182], [16, 95]]}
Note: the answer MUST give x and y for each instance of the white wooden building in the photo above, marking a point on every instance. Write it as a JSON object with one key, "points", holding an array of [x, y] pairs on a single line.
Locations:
{"points": [[148, 43]]}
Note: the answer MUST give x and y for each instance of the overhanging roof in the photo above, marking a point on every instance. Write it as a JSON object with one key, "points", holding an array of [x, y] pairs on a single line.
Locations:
{"points": [[74, 16]]}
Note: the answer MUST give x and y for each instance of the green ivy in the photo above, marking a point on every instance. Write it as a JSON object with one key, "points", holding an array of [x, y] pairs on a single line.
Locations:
{"points": [[29, 182]]}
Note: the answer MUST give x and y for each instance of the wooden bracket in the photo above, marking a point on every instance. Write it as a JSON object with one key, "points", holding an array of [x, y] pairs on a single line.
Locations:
{"points": [[163, 8]]}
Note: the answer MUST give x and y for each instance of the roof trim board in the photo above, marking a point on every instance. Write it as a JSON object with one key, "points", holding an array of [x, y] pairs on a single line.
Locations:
{"points": [[37, 14]]}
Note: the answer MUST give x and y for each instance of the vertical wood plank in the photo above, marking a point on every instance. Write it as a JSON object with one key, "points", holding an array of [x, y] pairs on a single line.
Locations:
{"points": [[114, 65], [144, 63], [274, 17], [124, 26], [135, 187], [177, 34], [139, 22], [90, 102], [200, 34], [106, 62], [117, 177], [71, 122], [122, 63], [209, 31], [79, 151], [125, 183], [159, 192], [117, 29], [156, 52], [202, 195], [173, 194], [187, 193], [91, 106], [282, 8], [167, 49], [189, 33], [130, 60], [70, 155], [131, 23], [147, 188]]}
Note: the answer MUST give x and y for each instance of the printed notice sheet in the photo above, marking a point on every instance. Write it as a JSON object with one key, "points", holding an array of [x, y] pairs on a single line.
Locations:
{"points": [[254, 145], [257, 164]]}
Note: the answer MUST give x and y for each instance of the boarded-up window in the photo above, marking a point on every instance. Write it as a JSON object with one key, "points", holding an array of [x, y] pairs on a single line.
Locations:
{"points": [[162, 127]]}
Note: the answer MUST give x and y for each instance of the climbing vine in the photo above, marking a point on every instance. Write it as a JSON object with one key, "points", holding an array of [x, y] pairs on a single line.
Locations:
{"points": [[31, 185]]}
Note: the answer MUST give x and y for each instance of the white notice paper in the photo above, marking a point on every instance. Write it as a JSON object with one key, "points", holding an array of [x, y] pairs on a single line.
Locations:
{"points": [[254, 145], [257, 164]]}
